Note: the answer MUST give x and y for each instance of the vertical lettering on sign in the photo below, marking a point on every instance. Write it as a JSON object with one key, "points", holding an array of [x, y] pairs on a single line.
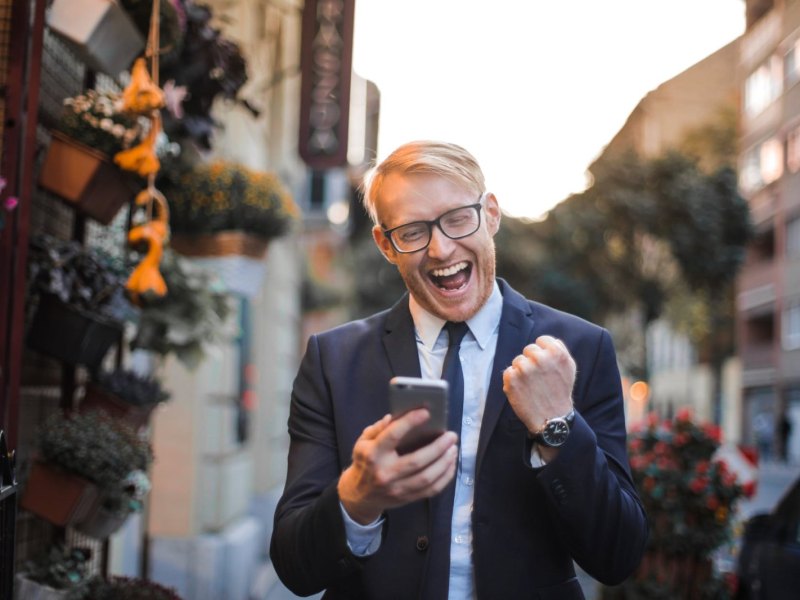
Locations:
{"points": [[326, 64]]}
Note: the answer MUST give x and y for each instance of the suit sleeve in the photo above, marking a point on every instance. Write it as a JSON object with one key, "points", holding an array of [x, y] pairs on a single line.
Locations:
{"points": [[309, 546], [589, 483]]}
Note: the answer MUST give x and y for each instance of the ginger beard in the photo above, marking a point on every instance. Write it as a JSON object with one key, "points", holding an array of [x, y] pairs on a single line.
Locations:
{"points": [[455, 291]]}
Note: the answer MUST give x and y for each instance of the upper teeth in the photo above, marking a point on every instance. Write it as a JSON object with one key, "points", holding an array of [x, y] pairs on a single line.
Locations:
{"points": [[452, 270]]}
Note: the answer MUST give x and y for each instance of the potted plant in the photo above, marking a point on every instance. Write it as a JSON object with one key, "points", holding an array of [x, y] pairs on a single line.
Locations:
{"points": [[129, 588], [191, 318], [103, 457], [207, 67], [61, 573], [689, 495], [78, 167], [124, 394], [77, 301], [99, 31], [223, 207]]}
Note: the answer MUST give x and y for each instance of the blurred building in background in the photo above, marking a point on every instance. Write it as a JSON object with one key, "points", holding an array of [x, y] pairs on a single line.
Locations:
{"points": [[768, 298], [677, 375]]}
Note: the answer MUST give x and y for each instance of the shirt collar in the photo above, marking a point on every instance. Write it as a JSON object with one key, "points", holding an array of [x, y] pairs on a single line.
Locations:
{"points": [[482, 325]]}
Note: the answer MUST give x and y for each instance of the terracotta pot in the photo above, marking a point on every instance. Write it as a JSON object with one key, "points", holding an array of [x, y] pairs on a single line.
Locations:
{"points": [[223, 243], [86, 179], [99, 31], [96, 397], [57, 496], [71, 335]]}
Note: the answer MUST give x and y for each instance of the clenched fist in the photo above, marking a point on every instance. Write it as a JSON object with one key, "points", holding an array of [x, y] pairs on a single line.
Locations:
{"points": [[539, 382]]}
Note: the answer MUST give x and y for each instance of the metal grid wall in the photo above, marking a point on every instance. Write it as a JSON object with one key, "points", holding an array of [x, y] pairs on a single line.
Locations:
{"points": [[63, 75]]}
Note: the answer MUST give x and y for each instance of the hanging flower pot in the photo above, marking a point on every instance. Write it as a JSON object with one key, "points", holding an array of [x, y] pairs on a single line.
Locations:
{"points": [[27, 589], [58, 496], [72, 335], [236, 257], [97, 398], [86, 179], [101, 522], [99, 31], [222, 243]]}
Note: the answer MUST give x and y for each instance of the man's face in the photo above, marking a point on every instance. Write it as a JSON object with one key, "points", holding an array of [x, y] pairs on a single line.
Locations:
{"points": [[451, 279]]}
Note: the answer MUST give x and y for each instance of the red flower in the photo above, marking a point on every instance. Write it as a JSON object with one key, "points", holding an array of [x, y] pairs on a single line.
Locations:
{"points": [[698, 484], [684, 415]]}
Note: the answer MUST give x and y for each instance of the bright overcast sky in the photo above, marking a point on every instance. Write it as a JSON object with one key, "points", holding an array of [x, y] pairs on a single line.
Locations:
{"points": [[534, 89]]}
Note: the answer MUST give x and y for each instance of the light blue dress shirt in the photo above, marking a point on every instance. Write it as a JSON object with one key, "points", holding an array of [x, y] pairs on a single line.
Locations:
{"points": [[476, 355]]}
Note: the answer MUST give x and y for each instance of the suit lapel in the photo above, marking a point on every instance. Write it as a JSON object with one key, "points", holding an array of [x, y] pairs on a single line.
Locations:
{"points": [[516, 326], [400, 341]]}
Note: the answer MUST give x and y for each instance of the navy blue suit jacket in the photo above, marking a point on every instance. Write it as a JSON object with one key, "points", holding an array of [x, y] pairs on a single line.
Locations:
{"points": [[528, 524]]}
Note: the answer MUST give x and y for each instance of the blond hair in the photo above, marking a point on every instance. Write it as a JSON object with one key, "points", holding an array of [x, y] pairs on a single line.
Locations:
{"points": [[423, 156]]}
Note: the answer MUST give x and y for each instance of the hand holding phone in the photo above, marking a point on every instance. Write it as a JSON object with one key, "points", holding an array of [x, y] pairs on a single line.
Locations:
{"points": [[408, 393]]}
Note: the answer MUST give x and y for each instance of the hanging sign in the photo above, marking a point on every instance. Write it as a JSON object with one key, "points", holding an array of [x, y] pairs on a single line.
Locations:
{"points": [[325, 63]]}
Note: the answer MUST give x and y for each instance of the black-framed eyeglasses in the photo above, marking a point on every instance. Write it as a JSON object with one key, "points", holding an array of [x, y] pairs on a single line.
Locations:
{"points": [[456, 224]]}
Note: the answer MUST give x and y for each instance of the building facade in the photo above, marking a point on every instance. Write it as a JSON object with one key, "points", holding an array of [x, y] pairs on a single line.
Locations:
{"points": [[699, 96], [768, 294]]}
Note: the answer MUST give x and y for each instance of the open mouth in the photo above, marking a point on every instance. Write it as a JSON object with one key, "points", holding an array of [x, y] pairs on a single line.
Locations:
{"points": [[451, 278]]}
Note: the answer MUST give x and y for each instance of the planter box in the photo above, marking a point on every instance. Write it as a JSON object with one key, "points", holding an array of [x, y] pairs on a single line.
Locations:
{"points": [[70, 335], [26, 589], [100, 522], [58, 496], [97, 398], [99, 31], [236, 257], [223, 243], [86, 179]]}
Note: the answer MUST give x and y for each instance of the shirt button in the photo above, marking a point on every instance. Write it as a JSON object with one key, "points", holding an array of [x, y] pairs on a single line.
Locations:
{"points": [[468, 480], [460, 539], [467, 420]]}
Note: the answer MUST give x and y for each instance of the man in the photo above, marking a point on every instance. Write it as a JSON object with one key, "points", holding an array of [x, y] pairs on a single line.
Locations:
{"points": [[536, 478]]}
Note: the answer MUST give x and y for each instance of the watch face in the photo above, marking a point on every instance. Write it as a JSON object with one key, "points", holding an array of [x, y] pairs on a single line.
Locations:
{"points": [[555, 432]]}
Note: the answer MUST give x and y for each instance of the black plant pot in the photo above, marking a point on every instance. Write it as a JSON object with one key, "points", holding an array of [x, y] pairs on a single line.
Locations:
{"points": [[71, 335]]}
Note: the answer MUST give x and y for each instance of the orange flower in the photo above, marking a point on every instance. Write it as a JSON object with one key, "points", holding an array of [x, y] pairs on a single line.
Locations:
{"points": [[141, 159], [142, 95], [146, 278]]}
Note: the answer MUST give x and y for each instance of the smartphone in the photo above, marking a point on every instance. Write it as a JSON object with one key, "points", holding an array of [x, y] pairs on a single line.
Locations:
{"points": [[408, 393]]}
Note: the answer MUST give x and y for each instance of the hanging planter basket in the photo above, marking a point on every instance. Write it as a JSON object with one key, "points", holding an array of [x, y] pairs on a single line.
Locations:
{"points": [[235, 256], [99, 31], [98, 398], [27, 589], [71, 335], [100, 522], [222, 243], [58, 496], [86, 179]]}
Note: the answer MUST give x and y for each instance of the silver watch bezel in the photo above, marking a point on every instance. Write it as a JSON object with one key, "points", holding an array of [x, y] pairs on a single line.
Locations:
{"points": [[555, 431]]}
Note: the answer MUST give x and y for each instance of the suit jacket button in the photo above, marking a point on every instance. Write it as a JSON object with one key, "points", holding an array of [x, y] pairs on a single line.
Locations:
{"points": [[422, 543]]}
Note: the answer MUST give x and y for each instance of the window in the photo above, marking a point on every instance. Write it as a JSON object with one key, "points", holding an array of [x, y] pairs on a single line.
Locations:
{"points": [[791, 64], [793, 150], [791, 326], [762, 164], [763, 86], [793, 238]]}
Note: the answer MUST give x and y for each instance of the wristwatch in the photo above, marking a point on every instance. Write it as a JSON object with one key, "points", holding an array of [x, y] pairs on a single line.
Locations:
{"points": [[555, 431]]}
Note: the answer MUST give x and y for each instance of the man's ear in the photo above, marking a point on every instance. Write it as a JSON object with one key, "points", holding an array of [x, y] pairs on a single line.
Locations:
{"points": [[383, 244], [493, 213]]}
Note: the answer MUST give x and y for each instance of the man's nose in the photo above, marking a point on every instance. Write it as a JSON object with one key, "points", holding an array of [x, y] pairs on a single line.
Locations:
{"points": [[440, 245]]}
